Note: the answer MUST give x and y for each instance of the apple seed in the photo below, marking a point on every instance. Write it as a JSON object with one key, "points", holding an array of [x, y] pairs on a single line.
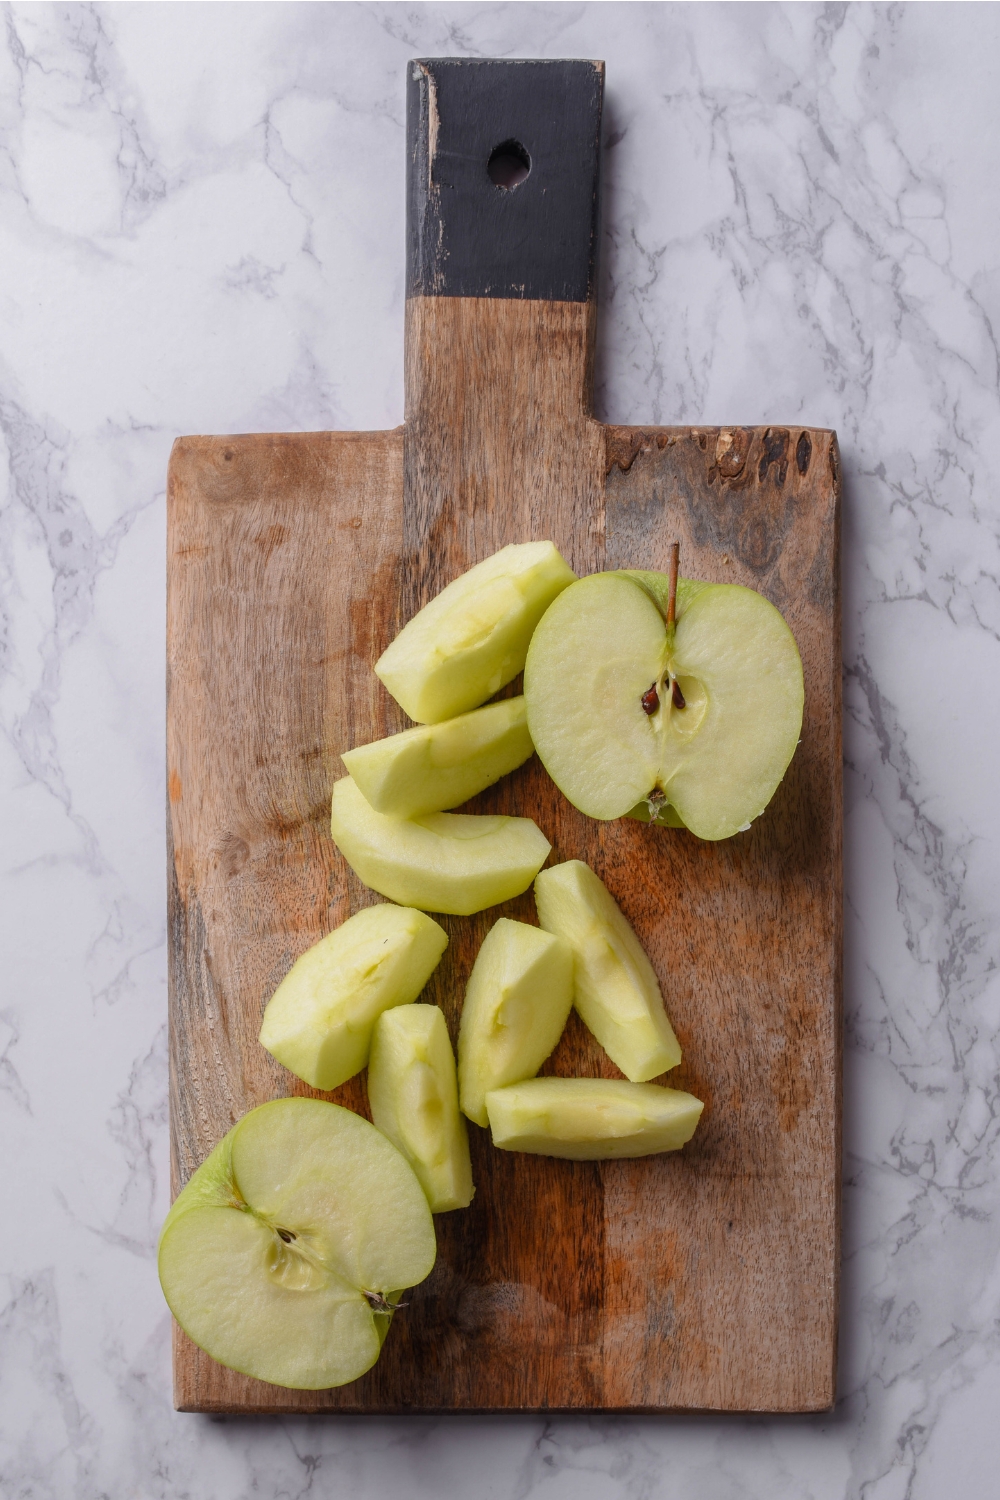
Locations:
{"points": [[677, 695], [649, 700]]}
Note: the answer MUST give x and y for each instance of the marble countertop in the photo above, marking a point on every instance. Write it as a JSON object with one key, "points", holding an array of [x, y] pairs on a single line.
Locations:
{"points": [[201, 218]]}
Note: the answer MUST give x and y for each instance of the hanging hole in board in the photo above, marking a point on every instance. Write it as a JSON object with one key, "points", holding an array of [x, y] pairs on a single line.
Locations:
{"points": [[509, 165]]}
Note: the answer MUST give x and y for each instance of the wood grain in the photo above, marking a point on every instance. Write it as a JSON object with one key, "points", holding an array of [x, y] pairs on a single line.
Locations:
{"points": [[702, 1280]]}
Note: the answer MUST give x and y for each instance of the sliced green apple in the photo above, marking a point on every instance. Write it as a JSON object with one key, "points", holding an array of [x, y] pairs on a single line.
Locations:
{"points": [[318, 1023], [703, 716], [450, 862], [615, 989], [436, 766], [591, 1119], [285, 1253], [518, 998], [413, 1093], [471, 640]]}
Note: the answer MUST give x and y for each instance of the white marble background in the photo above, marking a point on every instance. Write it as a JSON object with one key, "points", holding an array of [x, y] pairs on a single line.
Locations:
{"points": [[201, 218]]}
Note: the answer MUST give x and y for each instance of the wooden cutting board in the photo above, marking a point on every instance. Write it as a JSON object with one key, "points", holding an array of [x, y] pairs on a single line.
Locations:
{"points": [[706, 1279]]}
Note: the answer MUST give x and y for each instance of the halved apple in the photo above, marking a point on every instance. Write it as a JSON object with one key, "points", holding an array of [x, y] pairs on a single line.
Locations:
{"points": [[285, 1254], [413, 1093], [450, 862], [517, 1002], [318, 1023], [591, 1119], [436, 766], [704, 715], [471, 640], [615, 989]]}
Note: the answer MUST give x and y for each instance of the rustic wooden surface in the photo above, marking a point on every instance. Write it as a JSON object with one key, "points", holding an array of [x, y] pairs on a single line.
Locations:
{"points": [[701, 1280]]}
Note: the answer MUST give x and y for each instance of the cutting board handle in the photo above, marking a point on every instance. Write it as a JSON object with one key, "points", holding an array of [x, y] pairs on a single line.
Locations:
{"points": [[503, 178], [501, 311]]}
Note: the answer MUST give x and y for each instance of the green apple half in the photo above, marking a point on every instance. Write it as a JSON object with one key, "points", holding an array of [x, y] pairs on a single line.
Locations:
{"points": [[623, 709], [436, 766], [450, 862], [591, 1119], [318, 1023], [471, 640], [615, 989], [413, 1093], [284, 1255], [517, 1003]]}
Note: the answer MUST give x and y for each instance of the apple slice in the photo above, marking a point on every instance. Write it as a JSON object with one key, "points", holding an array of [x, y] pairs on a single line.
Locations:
{"points": [[436, 766], [413, 1093], [591, 1119], [615, 989], [285, 1253], [451, 862], [318, 1023], [704, 715], [471, 640], [517, 1002]]}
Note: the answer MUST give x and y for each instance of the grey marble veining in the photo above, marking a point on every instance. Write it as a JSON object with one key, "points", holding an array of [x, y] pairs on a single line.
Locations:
{"points": [[201, 230]]}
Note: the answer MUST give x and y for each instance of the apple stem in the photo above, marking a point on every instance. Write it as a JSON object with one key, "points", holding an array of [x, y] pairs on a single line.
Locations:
{"points": [[675, 557]]}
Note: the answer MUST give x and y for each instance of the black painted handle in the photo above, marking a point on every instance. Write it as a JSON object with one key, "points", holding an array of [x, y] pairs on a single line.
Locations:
{"points": [[503, 178]]}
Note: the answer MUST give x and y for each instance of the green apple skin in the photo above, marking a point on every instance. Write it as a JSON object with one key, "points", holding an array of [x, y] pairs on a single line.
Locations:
{"points": [[471, 640], [273, 1255], [600, 647], [616, 991], [518, 1000], [413, 1093], [591, 1119], [446, 862], [438, 766], [318, 1023]]}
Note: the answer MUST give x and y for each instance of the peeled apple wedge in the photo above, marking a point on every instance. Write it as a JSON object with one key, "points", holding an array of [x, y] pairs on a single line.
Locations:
{"points": [[286, 1252], [615, 989], [703, 716], [518, 1000], [436, 766], [318, 1023], [591, 1119], [413, 1093], [450, 862], [471, 640]]}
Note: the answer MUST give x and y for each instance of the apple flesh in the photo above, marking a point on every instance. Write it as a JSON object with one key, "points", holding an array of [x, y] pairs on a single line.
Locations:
{"points": [[437, 766], [471, 640], [591, 1119], [449, 862], [285, 1254], [413, 1093], [616, 991], [704, 716], [517, 1003], [318, 1023]]}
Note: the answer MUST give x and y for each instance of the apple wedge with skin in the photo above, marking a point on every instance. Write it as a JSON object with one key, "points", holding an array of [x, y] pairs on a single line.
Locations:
{"points": [[413, 1093], [591, 1119], [517, 1002], [318, 1023], [615, 990], [449, 862], [438, 766], [703, 715], [285, 1254], [471, 640]]}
